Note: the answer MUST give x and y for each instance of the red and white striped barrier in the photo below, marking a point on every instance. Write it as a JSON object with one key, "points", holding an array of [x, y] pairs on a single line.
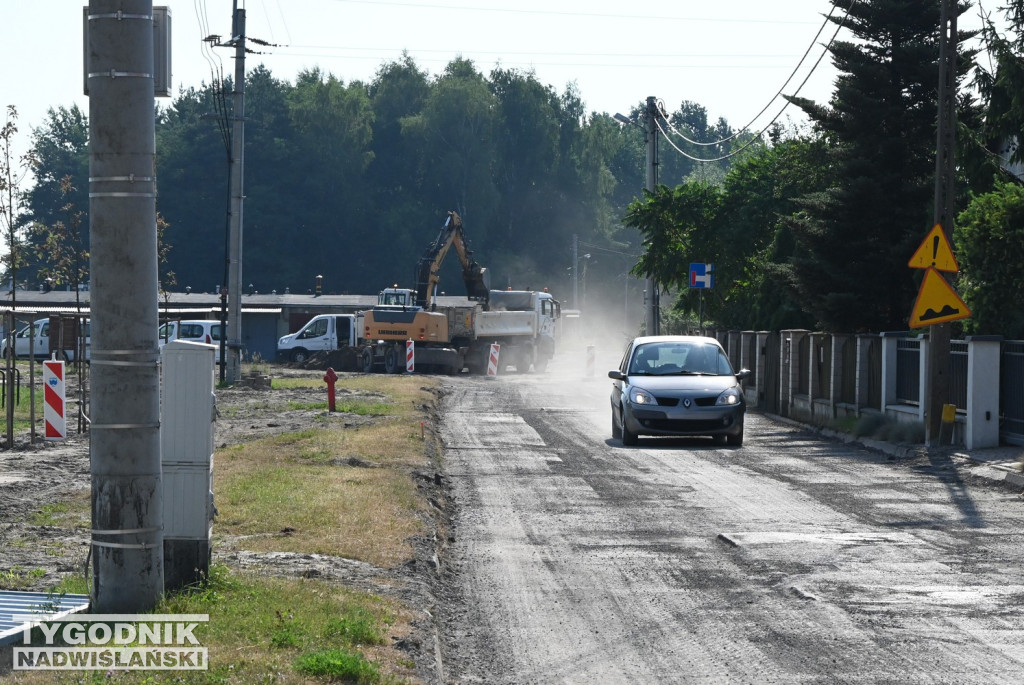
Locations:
{"points": [[54, 404], [492, 360], [410, 356]]}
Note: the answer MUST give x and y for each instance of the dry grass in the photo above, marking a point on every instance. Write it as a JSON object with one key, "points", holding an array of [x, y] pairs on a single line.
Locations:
{"points": [[298, 493], [267, 629]]}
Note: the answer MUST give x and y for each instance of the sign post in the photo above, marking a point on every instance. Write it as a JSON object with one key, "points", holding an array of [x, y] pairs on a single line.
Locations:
{"points": [[936, 304], [702, 277]]}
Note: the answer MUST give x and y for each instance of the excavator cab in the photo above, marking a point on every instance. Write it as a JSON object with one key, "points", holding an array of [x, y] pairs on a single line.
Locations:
{"points": [[395, 297]]}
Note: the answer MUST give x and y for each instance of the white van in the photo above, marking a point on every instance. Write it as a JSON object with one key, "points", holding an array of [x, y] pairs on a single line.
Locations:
{"points": [[200, 330], [40, 330], [323, 332]]}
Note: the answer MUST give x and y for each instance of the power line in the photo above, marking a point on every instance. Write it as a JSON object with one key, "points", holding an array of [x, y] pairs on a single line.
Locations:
{"points": [[554, 13], [774, 97], [757, 137]]}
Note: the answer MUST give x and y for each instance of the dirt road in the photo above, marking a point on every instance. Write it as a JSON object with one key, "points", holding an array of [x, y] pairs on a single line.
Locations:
{"points": [[791, 559]]}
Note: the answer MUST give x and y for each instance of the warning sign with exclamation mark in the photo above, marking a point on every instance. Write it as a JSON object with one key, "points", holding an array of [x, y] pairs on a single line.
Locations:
{"points": [[934, 253]]}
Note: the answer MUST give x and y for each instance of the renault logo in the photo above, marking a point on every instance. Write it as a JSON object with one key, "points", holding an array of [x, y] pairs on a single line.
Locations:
{"points": [[686, 402]]}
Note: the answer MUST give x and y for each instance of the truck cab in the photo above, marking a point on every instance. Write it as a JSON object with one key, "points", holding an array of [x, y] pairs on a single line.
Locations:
{"points": [[325, 332]]}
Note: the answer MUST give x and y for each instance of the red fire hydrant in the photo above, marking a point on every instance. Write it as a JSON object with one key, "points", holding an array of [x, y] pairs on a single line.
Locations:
{"points": [[330, 377]]}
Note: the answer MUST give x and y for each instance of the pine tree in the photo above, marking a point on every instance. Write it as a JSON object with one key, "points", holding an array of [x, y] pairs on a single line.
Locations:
{"points": [[880, 127]]}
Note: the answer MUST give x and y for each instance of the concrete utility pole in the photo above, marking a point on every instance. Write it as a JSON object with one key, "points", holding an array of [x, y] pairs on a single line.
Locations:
{"points": [[124, 406], [653, 296], [937, 382], [234, 351]]}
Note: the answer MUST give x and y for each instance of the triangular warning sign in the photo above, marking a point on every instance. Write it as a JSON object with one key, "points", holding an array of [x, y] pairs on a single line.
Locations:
{"points": [[934, 253], [937, 302]]}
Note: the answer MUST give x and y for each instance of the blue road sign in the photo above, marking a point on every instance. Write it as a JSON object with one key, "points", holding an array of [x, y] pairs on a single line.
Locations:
{"points": [[702, 275]]}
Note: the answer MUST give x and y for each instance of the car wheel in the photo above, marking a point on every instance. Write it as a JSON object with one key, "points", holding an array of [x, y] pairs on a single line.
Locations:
{"points": [[616, 431], [735, 440], [629, 438], [299, 356]]}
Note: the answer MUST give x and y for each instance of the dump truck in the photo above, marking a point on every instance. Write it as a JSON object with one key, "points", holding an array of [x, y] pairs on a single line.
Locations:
{"points": [[453, 337], [450, 338]]}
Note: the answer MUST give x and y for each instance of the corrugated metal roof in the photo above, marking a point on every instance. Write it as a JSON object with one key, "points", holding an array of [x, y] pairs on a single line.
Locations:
{"points": [[14, 603]]}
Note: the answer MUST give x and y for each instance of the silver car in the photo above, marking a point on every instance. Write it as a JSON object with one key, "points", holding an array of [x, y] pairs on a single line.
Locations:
{"points": [[676, 385]]}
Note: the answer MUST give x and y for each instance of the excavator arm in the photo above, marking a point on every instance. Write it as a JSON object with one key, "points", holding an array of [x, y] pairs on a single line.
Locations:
{"points": [[428, 267]]}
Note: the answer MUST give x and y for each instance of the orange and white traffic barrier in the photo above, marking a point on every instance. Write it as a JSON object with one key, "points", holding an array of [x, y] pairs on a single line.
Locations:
{"points": [[410, 356], [591, 361], [54, 404], [492, 360]]}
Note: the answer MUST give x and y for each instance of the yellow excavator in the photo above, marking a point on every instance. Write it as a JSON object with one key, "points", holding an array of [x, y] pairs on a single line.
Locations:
{"points": [[441, 338]]}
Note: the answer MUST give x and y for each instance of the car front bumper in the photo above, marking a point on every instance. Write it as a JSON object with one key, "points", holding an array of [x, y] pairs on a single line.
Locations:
{"points": [[724, 420]]}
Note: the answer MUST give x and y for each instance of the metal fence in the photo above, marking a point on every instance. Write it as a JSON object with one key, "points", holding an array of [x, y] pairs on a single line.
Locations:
{"points": [[751, 358], [874, 364], [823, 368], [848, 371], [958, 373], [803, 353], [1011, 391], [908, 371]]}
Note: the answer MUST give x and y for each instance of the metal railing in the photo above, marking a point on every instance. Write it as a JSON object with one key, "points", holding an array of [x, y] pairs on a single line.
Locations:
{"points": [[908, 371], [958, 373], [848, 371], [803, 353], [1011, 391]]}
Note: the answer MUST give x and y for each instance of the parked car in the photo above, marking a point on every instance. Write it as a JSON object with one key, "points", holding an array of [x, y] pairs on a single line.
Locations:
{"points": [[40, 330], [200, 330], [677, 386]]}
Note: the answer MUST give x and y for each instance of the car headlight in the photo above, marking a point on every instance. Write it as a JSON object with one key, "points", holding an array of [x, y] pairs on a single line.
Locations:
{"points": [[638, 396], [729, 397]]}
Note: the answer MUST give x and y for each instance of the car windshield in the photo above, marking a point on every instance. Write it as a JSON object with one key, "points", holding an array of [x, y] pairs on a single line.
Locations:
{"points": [[679, 358]]}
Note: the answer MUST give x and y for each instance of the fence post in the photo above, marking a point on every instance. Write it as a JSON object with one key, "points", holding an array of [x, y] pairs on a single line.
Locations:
{"points": [[836, 389], [761, 368], [889, 340], [785, 372], [983, 358], [923, 378], [734, 349], [863, 394]]}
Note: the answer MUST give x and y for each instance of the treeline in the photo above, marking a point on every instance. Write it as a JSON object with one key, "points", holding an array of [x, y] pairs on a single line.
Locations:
{"points": [[807, 228], [353, 181]]}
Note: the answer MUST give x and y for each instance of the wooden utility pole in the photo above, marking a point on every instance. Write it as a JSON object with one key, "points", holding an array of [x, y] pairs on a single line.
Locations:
{"points": [[937, 382]]}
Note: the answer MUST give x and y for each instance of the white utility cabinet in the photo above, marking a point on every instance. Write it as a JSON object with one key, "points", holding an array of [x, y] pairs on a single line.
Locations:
{"points": [[187, 413]]}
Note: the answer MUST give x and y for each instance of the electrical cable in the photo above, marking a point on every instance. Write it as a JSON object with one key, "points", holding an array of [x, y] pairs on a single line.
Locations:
{"points": [[600, 248], [605, 15], [774, 97], [757, 136]]}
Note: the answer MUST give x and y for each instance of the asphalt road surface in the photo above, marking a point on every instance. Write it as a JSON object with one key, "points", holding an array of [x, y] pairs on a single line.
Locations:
{"points": [[790, 559]]}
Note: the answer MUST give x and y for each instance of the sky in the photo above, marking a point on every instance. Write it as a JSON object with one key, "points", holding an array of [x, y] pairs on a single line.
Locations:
{"points": [[731, 56]]}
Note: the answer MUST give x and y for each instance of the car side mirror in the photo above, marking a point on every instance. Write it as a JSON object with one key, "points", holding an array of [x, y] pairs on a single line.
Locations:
{"points": [[742, 374], [617, 375]]}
